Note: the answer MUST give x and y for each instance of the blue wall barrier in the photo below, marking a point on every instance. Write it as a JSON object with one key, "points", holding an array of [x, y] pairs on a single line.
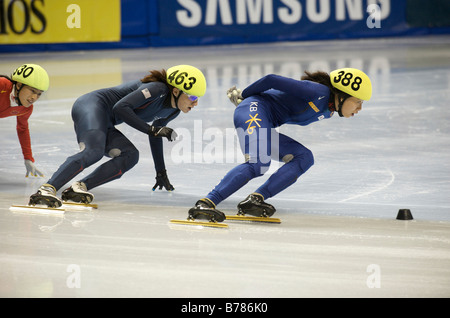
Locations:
{"points": [[205, 22], [155, 23]]}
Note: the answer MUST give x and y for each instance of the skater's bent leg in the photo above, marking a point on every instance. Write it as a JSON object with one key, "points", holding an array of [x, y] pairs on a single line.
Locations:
{"points": [[124, 157], [93, 142], [254, 131], [297, 160], [112, 169], [235, 179]]}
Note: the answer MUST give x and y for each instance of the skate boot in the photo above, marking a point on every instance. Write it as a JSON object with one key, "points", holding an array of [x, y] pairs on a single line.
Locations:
{"points": [[77, 193], [46, 195], [205, 209], [254, 205]]}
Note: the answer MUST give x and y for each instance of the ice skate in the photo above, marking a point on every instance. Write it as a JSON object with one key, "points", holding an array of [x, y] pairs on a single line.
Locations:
{"points": [[205, 209], [77, 193], [254, 205], [45, 195]]}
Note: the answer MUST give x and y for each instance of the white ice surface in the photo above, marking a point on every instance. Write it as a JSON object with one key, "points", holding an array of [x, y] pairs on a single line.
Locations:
{"points": [[339, 227]]}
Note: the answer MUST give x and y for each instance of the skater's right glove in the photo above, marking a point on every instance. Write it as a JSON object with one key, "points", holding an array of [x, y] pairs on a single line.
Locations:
{"points": [[167, 132], [163, 181], [235, 95]]}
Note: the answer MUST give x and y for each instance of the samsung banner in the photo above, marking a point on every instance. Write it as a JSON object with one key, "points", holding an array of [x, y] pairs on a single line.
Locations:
{"points": [[259, 20]]}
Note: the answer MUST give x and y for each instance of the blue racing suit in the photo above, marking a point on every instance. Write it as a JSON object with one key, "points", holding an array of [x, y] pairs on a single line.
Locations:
{"points": [[95, 116], [269, 103]]}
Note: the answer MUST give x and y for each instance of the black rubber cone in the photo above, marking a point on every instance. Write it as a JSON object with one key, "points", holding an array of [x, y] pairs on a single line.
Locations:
{"points": [[404, 214]]}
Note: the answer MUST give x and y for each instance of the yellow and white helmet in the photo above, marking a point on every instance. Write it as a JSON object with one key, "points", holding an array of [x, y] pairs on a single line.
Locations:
{"points": [[32, 75], [187, 78], [353, 82]]}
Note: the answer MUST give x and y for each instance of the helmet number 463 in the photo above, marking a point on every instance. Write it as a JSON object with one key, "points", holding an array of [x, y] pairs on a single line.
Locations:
{"points": [[182, 78]]}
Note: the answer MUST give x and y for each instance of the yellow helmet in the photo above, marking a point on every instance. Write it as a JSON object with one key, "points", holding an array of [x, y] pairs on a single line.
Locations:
{"points": [[187, 78], [32, 75], [353, 82]]}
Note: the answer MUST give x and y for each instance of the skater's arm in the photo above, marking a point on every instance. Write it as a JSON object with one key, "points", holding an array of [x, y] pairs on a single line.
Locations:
{"points": [[156, 143], [156, 146], [143, 97], [300, 89], [162, 180], [23, 133]]}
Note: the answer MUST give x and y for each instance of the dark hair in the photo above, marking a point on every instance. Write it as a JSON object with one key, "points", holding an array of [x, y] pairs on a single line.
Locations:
{"points": [[157, 76], [324, 79]]}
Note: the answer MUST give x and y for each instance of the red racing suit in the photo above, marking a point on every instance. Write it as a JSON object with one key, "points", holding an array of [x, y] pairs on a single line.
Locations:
{"points": [[8, 108]]}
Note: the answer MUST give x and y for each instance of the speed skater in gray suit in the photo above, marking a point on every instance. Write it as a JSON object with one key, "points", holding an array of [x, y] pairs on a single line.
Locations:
{"points": [[157, 98]]}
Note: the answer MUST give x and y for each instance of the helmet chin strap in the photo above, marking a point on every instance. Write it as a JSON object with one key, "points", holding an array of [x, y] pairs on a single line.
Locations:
{"points": [[176, 98], [341, 103], [17, 94]]}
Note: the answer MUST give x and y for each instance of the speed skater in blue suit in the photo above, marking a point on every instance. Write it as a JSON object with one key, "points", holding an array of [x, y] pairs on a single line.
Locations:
{"points": [[157, 98], [268, 103]]}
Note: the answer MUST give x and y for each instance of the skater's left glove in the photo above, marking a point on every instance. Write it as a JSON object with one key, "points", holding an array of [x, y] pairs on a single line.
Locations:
{"points": [[163, 181], [31, 169], [167, 132]]}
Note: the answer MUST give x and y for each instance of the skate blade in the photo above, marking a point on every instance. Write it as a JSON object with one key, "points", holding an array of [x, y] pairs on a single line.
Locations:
{"points": [[253, 219], [76, 206], [36, 209], [199, 223]]}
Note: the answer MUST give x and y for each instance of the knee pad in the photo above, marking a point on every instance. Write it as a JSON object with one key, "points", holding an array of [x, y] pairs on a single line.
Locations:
{"points": [[115, 152], [287, 158]]}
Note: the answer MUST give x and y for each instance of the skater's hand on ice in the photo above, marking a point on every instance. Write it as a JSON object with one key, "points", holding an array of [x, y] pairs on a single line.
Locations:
{"points": [[31, 169], [167, 132], [235, 95], [163, 181]]}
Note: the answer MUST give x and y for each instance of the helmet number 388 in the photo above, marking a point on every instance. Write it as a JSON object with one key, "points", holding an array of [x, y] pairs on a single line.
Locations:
{"points": [[181, 78], [345, 79]]}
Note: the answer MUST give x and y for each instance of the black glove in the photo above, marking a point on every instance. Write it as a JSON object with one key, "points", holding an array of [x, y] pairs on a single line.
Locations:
{"points": [[169, 133], [163, 181]]}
